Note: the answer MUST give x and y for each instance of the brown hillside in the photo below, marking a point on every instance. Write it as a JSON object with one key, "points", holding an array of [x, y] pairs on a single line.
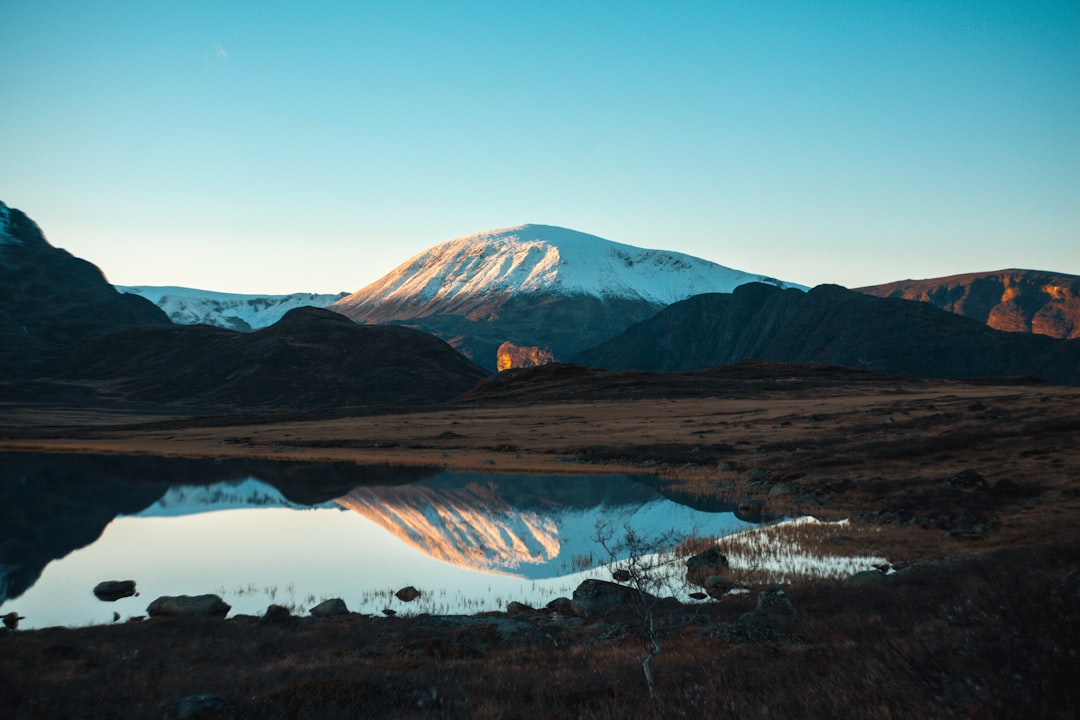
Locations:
{"points": [[1030, 301]]}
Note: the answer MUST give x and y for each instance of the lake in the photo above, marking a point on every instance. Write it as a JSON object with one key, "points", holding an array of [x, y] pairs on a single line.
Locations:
{"points": [[294, 534]]}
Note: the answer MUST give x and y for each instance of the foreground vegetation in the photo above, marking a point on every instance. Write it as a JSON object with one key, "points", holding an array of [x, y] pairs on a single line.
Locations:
{"points": [[968, 491], [985, 636]]}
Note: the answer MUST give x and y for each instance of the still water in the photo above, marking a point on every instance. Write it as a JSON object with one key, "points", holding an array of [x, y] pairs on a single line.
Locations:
{"points": [[469, 541]]}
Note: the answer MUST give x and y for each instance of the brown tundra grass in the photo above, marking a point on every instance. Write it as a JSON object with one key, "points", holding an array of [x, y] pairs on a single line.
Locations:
{"points": [[991, 636]]}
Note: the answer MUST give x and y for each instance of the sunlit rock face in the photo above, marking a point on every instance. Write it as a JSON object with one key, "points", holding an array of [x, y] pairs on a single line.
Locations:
{"points": [[1028, 301], [522, 356]]}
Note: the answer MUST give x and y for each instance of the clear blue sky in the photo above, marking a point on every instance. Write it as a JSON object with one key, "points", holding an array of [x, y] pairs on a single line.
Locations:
{"points": [[313, 146]]}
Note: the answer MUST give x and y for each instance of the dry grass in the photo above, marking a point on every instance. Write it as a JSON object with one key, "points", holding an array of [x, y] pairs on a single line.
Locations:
{"points": [[983, 622], [991, 637]]}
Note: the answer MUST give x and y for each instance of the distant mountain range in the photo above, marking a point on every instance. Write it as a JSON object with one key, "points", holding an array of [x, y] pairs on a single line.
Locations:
{"points": [[833, 325], [1032, 301], [187, 306], [545, 293], [64, 331], [534, 286]]}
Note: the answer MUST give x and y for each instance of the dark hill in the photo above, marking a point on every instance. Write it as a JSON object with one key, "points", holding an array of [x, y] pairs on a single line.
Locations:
{"points": [[311, 358], [49, 298], [832, 325], [1015, 300]]}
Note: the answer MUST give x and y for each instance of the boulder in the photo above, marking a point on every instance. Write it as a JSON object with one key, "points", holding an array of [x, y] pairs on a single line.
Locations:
{"points": [[329, 608], [278, 615], [561, 605], [774, 601], [867, 577], [112, 590], [518, 608], [594, 598], [967, 479], [407, 594], [188, 605], [704, 565]]}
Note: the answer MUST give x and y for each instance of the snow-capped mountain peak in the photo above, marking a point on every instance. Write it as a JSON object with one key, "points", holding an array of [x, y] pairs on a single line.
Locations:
{"points": [[545, 258]]}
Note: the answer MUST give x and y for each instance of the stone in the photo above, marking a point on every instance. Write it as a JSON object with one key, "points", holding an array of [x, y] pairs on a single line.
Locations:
{"points": [[621, 575], [561, 605], [330, 608], [407, 594], [188, 605], [867, 577], [112, 590], [704, 565], [967, 479], [277, 615], [594, 598], [11, 620], [775, 601], [201, 707], [518, 608]]}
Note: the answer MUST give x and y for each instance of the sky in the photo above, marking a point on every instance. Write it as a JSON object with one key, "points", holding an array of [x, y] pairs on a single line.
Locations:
{"points": [[274, 146]]}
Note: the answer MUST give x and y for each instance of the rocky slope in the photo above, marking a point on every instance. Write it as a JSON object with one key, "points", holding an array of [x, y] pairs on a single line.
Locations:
{"points": [[830, 324], [1015, 300], [49, 298], [534, 285]]}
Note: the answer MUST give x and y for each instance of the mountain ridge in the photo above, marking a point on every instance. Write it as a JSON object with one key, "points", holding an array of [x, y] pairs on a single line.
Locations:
{"points": [[1013, 299], [831, 325]]}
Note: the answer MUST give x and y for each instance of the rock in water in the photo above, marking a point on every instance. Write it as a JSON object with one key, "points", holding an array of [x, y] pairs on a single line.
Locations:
{"points": [[112, 590], [407, 594], [188, 605], [331, 607]]}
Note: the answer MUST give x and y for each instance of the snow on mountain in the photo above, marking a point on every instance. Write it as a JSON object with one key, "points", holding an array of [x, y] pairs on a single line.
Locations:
{"points": [[544, 258], [188, 306], [230, 495]]}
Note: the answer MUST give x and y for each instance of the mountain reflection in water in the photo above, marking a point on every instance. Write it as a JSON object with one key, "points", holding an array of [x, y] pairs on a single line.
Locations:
{"points": [[471, 541], [527, 525]]}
